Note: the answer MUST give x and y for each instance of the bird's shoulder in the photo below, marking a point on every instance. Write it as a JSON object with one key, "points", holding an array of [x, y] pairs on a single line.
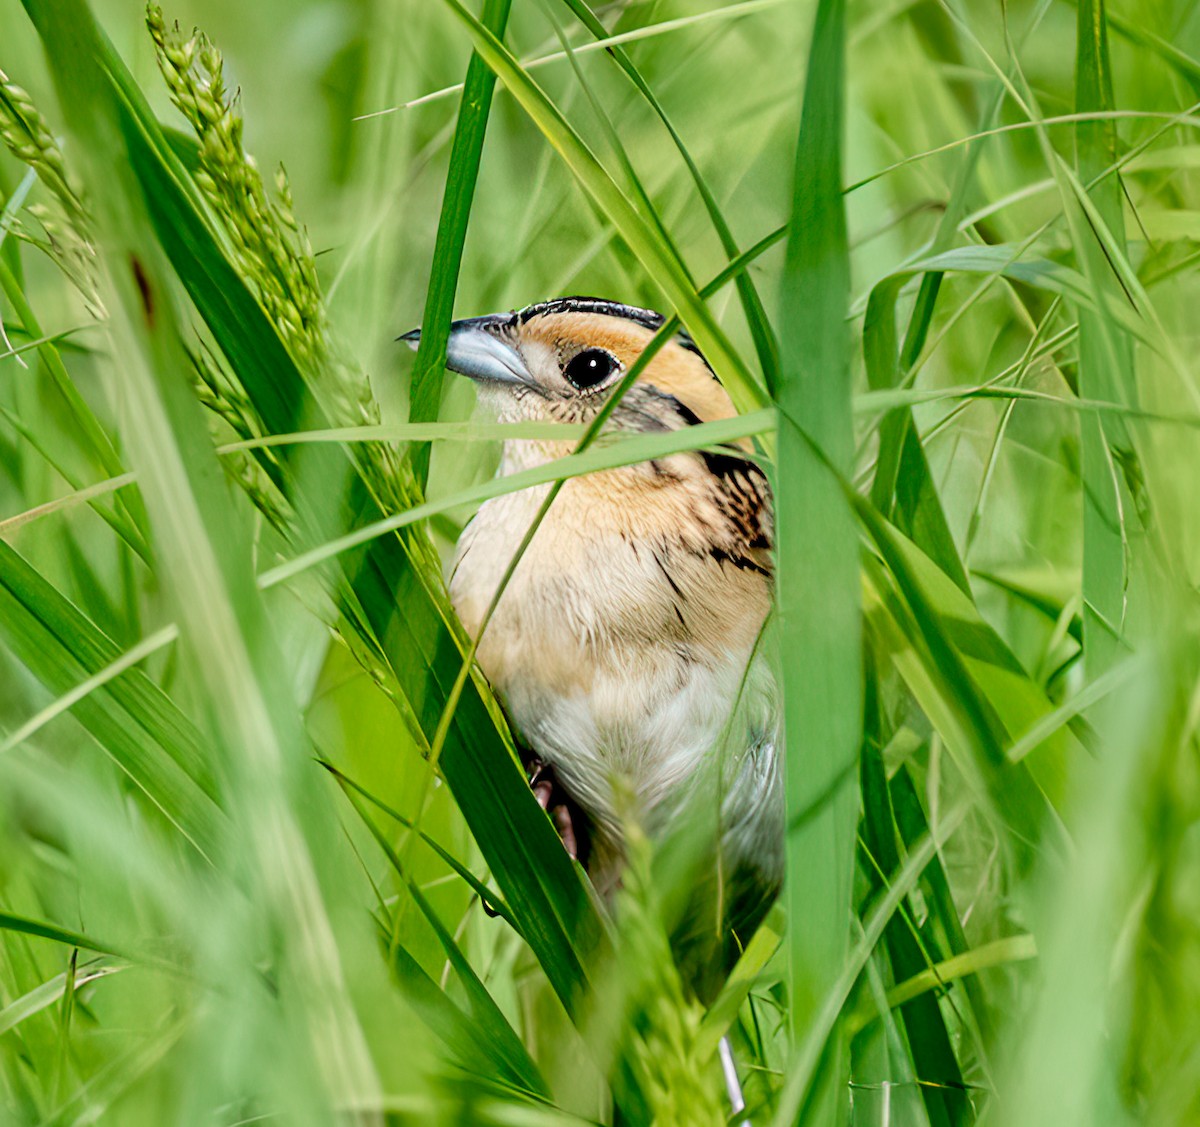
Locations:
{"points": [[725, 495]]}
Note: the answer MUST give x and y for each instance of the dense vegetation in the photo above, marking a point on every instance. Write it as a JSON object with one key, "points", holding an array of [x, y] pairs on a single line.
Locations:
{"points": [[266, 851]]}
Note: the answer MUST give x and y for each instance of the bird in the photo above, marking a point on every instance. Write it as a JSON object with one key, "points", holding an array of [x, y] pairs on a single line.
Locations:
{"points": [[625, 648]]}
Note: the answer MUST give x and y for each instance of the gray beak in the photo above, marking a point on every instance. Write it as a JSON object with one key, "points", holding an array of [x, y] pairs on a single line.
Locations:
{"points": [[478, 347]]}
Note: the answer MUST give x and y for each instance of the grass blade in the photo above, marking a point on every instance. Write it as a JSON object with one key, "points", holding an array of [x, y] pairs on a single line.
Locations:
{"points": [[493, 1037], [1106, 371], [451, 235], [817, 548], [222, 619], [130, 718]]}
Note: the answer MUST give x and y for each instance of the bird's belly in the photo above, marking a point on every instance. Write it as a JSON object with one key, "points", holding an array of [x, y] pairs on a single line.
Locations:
{"points": [[628, 747]]}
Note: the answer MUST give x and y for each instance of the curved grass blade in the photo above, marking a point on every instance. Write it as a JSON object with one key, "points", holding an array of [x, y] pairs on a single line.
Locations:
{"points": [[1016, 948], [44, 996], [641, 197], [46, 930], [131, 719], [94, 435], [458, 1031], [489, 899], [982, 699], [1134, 30]]}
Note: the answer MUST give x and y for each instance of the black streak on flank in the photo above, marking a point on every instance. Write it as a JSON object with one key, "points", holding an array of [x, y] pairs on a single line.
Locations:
{"points": [[674, 587], [144, 290], [741, 562]]}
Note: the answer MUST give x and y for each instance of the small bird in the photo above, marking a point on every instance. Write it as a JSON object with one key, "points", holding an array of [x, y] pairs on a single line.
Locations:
{"points": [[625, 648]]}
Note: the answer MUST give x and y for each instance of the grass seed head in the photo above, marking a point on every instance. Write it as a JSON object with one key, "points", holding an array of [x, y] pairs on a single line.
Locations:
{"points": [[63, 216]]}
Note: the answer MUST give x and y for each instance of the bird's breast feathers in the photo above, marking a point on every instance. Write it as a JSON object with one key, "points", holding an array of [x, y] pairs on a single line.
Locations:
{"points": [[622, 641]]}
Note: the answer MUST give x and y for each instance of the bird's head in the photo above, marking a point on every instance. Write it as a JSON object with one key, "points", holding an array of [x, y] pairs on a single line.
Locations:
{"points": [[559, 360]]}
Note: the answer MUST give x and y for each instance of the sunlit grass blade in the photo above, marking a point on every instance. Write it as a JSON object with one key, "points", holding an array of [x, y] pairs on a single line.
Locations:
{"points": [[723, 1011], [119, 522], [1017, 948]]}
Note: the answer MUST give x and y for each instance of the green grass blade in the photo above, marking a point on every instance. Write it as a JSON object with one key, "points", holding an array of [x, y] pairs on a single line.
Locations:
{"points": [[977, 677], [817, 567], [492, 902], [223, 623], [806, 1062], [131, 720], [44, 996], [494, 1038], [913, 825], [929, 1040], [621, 452], [461, 177], [1185, 64], [457, 1030], [117, 521], [45, 930], [89, 426], [1106, 371], [145, 702]]}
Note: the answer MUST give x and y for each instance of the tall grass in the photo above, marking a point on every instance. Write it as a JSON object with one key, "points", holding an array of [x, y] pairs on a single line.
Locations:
{"points": [[266, 849]]}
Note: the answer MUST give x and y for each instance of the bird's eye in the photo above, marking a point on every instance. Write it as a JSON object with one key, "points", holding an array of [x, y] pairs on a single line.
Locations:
{"points": [[589, 368]]}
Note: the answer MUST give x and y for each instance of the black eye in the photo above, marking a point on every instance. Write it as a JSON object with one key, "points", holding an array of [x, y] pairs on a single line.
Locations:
{"points": [[590, 367]]}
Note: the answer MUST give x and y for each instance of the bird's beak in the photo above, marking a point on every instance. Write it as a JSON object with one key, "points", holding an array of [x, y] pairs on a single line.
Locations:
{"points": [[478, 347]]}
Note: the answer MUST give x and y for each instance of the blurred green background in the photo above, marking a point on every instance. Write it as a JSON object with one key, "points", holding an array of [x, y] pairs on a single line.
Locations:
{"points": [[1045, 968]]}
